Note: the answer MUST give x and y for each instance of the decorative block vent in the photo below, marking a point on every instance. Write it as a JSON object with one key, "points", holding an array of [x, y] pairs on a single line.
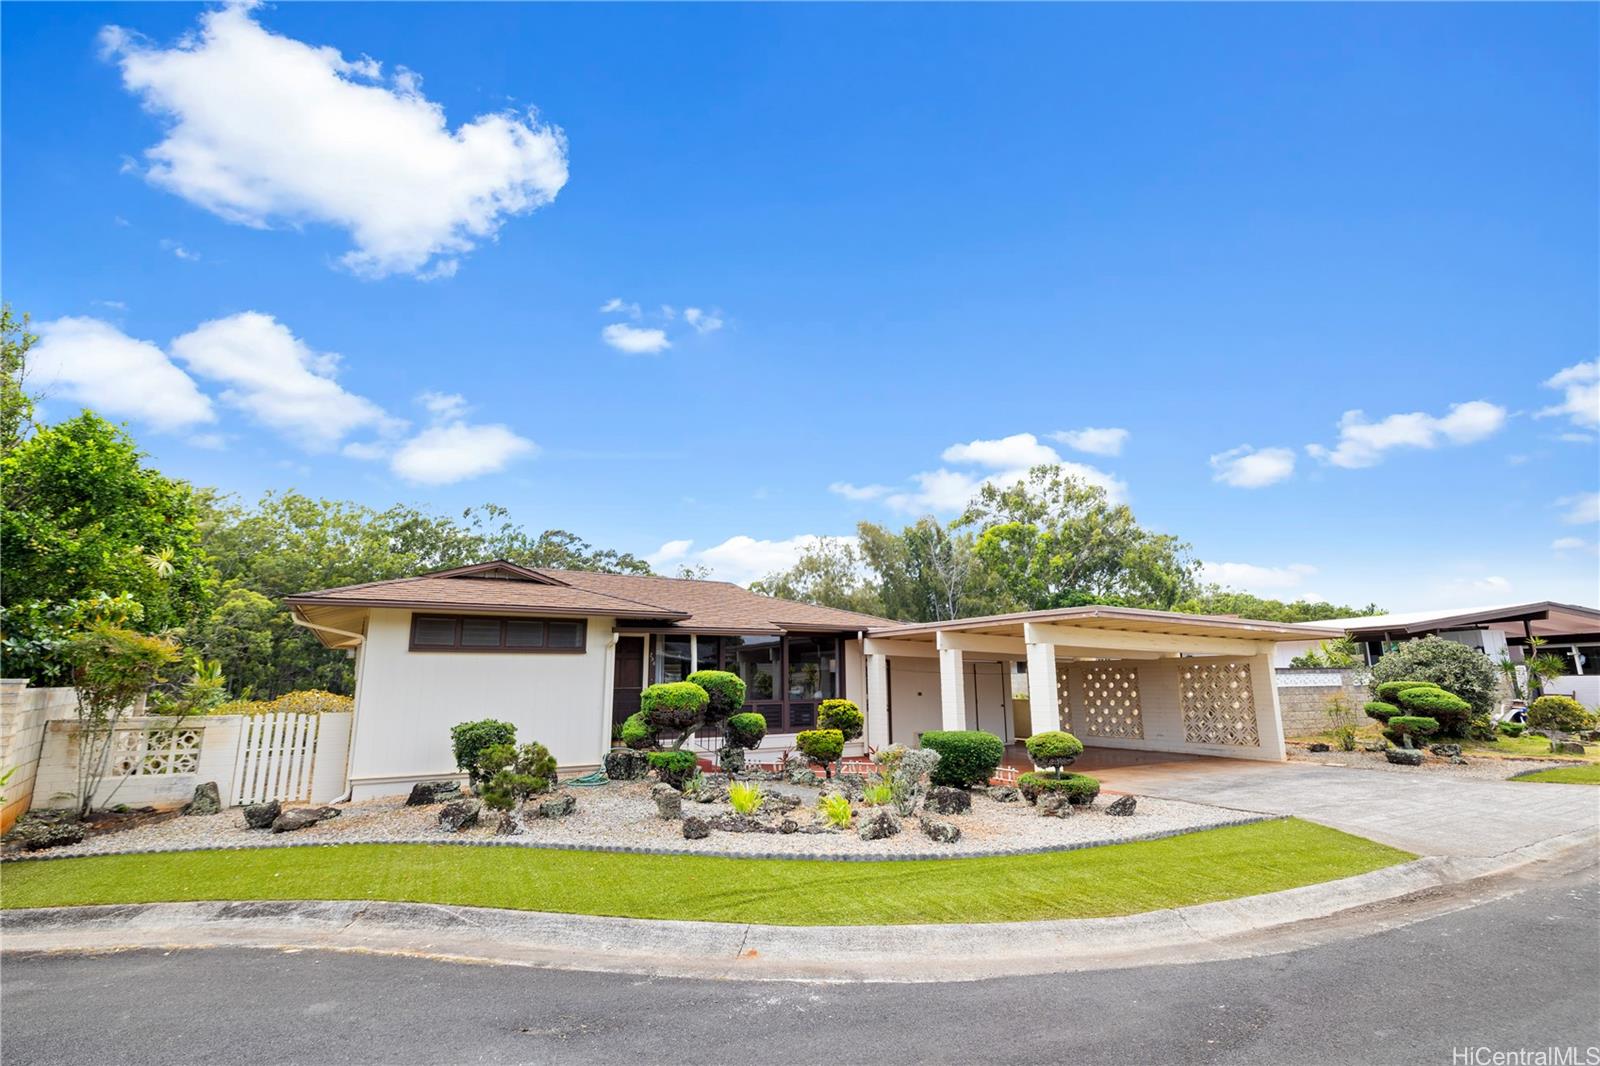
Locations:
{"points": [[150, 752], [1061, 698], [1219, 705], [1111, 702]]}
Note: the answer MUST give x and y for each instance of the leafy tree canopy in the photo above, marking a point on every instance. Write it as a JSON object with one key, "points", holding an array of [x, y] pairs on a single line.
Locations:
{"points": [[1213, 599]]}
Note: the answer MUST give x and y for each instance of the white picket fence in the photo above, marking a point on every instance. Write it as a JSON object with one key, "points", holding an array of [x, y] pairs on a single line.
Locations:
{"points": [[278, 756]]}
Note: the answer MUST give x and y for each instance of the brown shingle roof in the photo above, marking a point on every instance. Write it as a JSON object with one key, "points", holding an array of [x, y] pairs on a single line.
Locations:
{"points": [[683, 604]]}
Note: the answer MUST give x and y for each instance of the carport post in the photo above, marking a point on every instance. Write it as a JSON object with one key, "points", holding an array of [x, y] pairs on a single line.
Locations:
{"points": [[878, 700], [1043, 707], [952, 689]]}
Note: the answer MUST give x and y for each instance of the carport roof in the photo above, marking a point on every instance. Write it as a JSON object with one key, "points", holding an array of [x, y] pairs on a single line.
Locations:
{"points": [[1127, 619]]}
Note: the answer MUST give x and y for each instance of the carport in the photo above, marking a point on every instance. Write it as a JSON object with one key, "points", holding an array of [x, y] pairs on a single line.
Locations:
{"points": [[1116, 677]]}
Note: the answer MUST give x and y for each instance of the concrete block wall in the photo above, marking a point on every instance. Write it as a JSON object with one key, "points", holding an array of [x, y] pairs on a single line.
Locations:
{"points": [[23, 714], [1305, 696]]}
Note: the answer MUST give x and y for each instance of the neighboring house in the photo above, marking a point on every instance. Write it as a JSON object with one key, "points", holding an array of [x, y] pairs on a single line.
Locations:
{"points": [[564, 655], [1569, 630]]}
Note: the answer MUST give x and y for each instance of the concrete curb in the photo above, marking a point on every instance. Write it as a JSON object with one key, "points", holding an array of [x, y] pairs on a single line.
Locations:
{"points": [[1239, 928]]}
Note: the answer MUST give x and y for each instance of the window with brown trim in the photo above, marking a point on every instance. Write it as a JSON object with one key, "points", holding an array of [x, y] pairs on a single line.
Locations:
{"points": [[469, 633]]}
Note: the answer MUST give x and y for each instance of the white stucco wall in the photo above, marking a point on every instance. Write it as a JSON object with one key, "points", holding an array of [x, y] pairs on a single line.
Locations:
{"points": [[914, 697], [407, 701]]}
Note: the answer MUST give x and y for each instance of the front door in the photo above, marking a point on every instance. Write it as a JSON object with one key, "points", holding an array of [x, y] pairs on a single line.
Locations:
{"points": [[629, 678]]}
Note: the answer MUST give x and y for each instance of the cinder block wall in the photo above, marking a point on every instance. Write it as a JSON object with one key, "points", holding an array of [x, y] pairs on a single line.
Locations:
{"points": [[1304, 696], [23, 713]]}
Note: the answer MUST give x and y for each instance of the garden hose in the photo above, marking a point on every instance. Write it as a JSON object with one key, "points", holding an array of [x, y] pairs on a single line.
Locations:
{"points": [[596, 777]]}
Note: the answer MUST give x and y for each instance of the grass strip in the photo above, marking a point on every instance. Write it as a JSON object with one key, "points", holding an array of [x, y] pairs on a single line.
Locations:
{"points": [[1115, 879], [1566, 775]]}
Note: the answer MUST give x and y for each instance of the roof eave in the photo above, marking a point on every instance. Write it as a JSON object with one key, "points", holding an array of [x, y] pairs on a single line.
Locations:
{"points": [[478, 608]]}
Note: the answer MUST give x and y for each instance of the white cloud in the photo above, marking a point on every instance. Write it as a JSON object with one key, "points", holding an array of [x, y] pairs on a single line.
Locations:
{"points": [[671, 551], [858, 492], [1091, 440], [95, 363], [444, 454], [1020, 450], [263, 129], [615, 306], [1362, 443], [702, 321], [1582, 509], [1253, 578], [1493, 584], [444, 405], [180, 251], [1568, 544], [743, 559], [635, 341], [1580, 385], [280, 381], [1245, 467]]}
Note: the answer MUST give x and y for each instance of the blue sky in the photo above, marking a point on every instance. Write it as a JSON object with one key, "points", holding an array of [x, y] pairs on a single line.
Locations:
{"points": [[361, 250]]}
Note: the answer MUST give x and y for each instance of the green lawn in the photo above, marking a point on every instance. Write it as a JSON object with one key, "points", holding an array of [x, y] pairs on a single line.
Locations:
{"points": [[1588, 774], [1523, 747], [1116, 879]]}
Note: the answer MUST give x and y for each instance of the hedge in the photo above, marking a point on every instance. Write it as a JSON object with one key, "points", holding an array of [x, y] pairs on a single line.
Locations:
{"points": [[470, 740], [1389, 690], [1080, 789], [822, 745], [637, 732], [1380, 710], [1404, 725], [967, 757]]}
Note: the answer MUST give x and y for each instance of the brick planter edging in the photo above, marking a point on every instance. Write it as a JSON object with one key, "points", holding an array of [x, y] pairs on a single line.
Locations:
{"points": [[622, 849]]}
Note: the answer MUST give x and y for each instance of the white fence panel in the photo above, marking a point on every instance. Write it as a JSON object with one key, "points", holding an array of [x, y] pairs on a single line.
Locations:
{"points": [[295, 758]]}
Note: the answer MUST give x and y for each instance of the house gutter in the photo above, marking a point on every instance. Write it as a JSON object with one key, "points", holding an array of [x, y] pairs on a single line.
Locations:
{"points": [[300, 620]]}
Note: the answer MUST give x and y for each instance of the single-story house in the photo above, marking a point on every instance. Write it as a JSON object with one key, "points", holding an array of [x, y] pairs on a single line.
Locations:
{"points": [[564, 655], [1569, 630]]}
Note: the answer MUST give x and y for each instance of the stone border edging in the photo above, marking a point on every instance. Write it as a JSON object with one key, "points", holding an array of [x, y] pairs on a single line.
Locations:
{"points": [[1227, 929], [664, 849]]}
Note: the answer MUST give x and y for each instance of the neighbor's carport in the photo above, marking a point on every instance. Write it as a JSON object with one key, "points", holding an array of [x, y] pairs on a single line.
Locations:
{"points": [[1115, 677]]}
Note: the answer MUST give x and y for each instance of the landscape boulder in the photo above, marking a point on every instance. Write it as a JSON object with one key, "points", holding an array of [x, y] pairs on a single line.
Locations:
{"points": [[1404, 756], [262, 815], [456, 816], [1375, 745], [787, 826], [1319, 747], [296, 818], [557, 806], [1055, 805], [695, 829], [1122, 806], [939, 832], [37, 830], [669, 805], [778, 803], [1566, 747], [625, 764], [1004, 794], [207, 800], [425, 793], [879, 825], [1445, 751], [942, 799]]}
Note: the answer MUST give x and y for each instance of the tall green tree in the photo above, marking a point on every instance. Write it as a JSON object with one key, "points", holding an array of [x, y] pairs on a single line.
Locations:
{"points": [[84, 522], [1213, 599], [16, 405], [925, 573], [829, 573], [1053, 540]]}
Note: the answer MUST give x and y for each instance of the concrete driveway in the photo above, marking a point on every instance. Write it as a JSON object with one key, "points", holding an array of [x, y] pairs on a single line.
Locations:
{"points": [[1427, 812]]}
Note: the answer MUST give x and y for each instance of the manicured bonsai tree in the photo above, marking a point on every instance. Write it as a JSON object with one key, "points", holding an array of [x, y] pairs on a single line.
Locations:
{"points": [[471, 739], [1453, 667], [842, 715], [1381, 711], [724, 694], [741, 733], [1405, 728], [821, 745], [1451, 711], [1054, 749], [511, 774], [967, 757], [1390, 690], [1561, 714], [676, 705], [637, 732], [1080, 789], [675, 768]]}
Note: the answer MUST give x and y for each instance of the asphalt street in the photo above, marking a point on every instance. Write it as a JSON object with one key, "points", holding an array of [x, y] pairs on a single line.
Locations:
{"points": [[1522, 972]]}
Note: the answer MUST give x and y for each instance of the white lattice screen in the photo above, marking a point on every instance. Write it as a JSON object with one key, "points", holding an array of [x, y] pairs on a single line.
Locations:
{"points": [[1219, 706], [148, 752], [1111, 702], [1061, 697]]}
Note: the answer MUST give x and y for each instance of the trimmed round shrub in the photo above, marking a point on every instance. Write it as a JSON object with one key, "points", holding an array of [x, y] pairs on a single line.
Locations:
{"points": [[1389, 691], [1512, 729], [674, 705], [747, 730], [674, 768], [1560, 713], [1380, 710], [842, 715], [820, 745], [1054, 748], [1408, 725], [637, 732], [1453, 667], [967, 757], [470, 740], [724, 693], [1080, 789], [1451, 711]]}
